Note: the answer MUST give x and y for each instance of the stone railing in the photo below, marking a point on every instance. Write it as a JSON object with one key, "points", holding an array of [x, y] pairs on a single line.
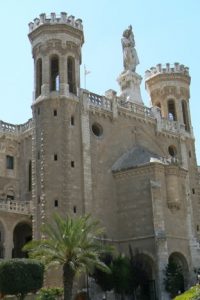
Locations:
{"points": [[53, 19], [20, 207], [172, 126], [159, 69], [100, 101], [15, 129], [136, 108]]}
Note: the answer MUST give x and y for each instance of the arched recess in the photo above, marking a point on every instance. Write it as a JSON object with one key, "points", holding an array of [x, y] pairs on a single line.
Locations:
{"points": [[185, 115], [2, 239], [180, 260], [71, 78], [38, 77], [171, 110], [145, 280], [21, 235], [54, 73]]}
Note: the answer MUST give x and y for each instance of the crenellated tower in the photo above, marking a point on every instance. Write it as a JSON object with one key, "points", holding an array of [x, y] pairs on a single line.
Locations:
{"points": [[56, 48], [169, 89]]}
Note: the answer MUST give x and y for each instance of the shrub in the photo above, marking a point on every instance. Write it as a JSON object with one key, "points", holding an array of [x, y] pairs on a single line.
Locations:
{"points": [[20, 277], [50, 293], [174, 281], [192, 294]]}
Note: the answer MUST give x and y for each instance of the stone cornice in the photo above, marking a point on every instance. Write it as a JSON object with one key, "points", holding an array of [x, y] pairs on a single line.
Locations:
{"points": [[56, 45]]}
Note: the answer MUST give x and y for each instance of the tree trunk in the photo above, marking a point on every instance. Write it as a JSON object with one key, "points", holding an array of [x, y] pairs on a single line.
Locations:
{"points": [[68, 280]]}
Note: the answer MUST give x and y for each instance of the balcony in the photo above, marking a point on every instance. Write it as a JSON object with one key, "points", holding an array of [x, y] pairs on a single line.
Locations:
{"points": [[19, 207]]}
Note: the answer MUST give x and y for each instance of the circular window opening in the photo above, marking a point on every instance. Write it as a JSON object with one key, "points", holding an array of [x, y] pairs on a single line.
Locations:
{"points": [[97, 129], [172, 151]]}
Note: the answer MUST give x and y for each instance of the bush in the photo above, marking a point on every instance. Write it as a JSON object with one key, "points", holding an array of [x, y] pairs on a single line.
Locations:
{"points": [[191, 294], [20, 277], [174, 280], [50, 293]]}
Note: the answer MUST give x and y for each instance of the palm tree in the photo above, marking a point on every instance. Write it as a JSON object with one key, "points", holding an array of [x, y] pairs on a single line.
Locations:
{"points": [[72, 243]]}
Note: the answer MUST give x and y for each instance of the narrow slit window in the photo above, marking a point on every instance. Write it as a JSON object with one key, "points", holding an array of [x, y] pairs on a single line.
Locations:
{"points": [[72, 164], [55, 156], [55, 203], [72, 121], [55, 112], [74, 209], [193, 191], [38, 155]]}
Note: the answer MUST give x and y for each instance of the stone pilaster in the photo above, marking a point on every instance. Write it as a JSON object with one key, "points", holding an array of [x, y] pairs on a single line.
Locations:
{"points": [[160, 237], [87, 172]]}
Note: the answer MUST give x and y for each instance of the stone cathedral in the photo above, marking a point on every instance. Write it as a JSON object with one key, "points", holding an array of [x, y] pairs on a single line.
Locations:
{"points": [[132, 167]]}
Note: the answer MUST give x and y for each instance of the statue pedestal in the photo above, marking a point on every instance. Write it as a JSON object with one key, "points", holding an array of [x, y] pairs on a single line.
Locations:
{"points": [[130, 86]]}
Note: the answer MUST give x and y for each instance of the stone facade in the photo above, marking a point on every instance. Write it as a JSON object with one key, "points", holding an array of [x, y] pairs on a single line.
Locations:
{"points": [[132, 167]]}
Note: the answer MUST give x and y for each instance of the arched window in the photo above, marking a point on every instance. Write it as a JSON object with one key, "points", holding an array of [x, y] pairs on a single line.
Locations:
{"points": [[71, 75], [171, 110], [185, 115], [30, 176], [38, 77], [54, 74]]}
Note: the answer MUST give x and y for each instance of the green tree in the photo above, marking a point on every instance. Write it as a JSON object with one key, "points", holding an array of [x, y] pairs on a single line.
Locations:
{"points": [[173, 280], [72, 243], [104, 280], [121, 273], [20, 277]]}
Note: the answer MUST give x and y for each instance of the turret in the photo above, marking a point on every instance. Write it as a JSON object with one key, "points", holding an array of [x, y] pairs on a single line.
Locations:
{"points": [[56, 47], [168, 88], [56, 160]]}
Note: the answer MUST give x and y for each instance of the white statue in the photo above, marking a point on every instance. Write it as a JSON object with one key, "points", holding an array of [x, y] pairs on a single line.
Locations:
{"points": [[129, 52]]}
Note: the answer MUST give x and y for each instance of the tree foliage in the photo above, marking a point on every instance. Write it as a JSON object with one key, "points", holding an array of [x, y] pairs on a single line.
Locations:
{"points": [[104, 280], [72, 243], [173, 280], [20, 276]]}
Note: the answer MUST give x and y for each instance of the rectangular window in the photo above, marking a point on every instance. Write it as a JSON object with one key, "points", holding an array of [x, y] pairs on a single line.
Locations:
{"points": [[72, 164], [9, 162], [55, 156], [56, 203], [55, 112]]}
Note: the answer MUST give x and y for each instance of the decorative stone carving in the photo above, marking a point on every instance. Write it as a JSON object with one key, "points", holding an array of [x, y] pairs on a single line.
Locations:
{"points": [[129, 80]]}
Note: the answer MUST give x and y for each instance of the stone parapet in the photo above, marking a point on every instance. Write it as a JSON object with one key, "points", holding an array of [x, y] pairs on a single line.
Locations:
{"points": [[167, 69], [54, 19], [13, 206], [15, 129]]}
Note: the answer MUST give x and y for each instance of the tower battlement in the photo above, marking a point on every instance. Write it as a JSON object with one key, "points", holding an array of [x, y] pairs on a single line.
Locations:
{"points": [[63, 18], [167, 69]]}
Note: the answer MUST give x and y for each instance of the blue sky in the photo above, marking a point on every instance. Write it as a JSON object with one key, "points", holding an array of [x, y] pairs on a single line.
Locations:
{"points": [[165, 31]]}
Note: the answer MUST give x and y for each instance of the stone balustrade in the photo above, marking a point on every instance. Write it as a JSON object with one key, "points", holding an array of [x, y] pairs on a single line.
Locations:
{"points": [[167, 69], [20, 207], [15, 129], [54, 19], [100, 101], [138, 109], [168, 125]]}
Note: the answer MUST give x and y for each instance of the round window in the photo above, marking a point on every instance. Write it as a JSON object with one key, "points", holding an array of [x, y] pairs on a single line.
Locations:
{"points": [[97, 129], [172, 151]]}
